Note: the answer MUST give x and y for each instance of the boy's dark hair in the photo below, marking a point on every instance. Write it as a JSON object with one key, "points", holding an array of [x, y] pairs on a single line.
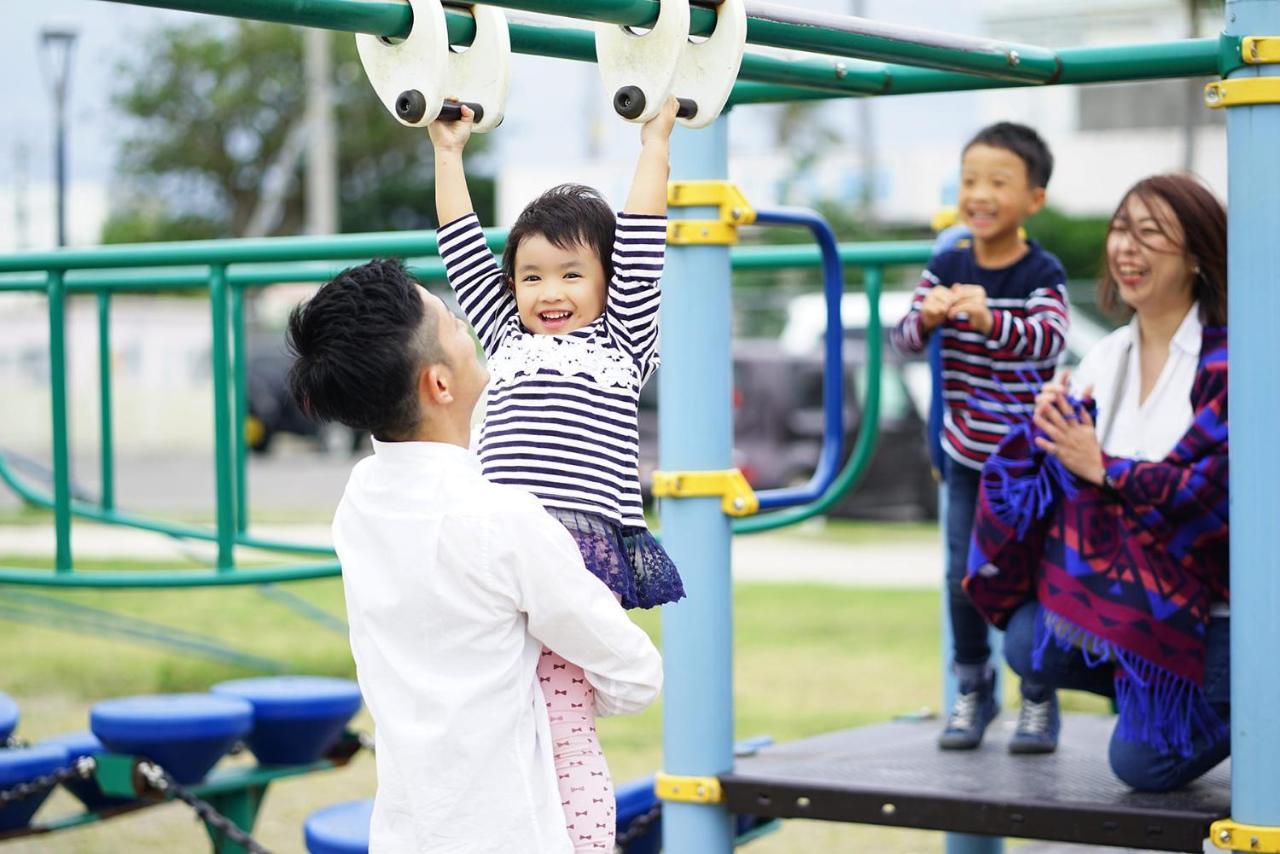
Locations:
{"points": [[1022, 141], [566, 215], [358, 347]]}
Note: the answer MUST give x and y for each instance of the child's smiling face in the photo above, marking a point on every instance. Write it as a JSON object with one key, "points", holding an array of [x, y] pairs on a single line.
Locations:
{"points": [[995, 192], [557, 289]]}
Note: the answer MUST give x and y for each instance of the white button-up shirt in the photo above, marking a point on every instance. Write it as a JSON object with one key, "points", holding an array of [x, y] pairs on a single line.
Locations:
{"points": [[1151, 429], [453, 585]]}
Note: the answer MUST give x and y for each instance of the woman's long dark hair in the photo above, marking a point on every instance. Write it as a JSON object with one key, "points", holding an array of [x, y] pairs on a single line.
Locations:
{"points": [[1204, 228]]}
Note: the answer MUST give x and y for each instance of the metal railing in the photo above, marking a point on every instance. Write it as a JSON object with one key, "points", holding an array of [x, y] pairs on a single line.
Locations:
{"points": [[226, 270]]}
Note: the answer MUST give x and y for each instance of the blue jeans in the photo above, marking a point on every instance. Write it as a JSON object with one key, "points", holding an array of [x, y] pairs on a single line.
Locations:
{"points": [[1138, 765], [968, 627]]}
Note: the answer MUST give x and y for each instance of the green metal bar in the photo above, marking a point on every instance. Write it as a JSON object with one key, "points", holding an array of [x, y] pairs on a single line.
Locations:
{"points": [[240, 392], [106, 449], [241, 806], [57, 296], [92, 280], [767, 24], [165, 578], [844, 35], [172, 529], [223, 473], [868, 430], [224, 252], [1081, 65]]}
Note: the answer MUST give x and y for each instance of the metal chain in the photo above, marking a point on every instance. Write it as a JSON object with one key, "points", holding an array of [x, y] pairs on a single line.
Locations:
{"points": [[160, 780], [82, 768], [638, 827]]}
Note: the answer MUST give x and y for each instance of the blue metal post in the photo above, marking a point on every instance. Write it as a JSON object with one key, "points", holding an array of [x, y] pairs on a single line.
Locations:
{"points": [[1253, 306], [695, 428], [956, 843]]}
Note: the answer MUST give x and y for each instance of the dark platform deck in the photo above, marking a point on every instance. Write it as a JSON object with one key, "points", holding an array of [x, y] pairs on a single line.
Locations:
{"points": [[894, 774]]}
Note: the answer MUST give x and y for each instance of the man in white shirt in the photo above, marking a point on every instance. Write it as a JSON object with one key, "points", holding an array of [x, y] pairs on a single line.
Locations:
{"points": [[453, 584]]}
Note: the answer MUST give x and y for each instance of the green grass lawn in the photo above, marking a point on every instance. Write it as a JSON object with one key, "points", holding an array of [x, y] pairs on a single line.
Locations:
{"points": [[808, 659]]}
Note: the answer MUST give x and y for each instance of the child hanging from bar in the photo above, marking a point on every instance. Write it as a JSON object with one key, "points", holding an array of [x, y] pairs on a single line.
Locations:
{"points": [[569, 324]]}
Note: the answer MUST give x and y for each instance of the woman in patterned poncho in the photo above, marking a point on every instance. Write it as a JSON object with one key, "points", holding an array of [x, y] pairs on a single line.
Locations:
{"points": [[1100, 544]]}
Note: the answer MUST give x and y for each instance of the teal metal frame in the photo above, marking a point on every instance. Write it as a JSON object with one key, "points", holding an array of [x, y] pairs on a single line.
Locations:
{"points": [[698, 714]]}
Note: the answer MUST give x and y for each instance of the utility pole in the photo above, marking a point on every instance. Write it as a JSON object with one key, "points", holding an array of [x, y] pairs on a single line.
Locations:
{"points": [[57, 44], [866, 136], [322, 147]]}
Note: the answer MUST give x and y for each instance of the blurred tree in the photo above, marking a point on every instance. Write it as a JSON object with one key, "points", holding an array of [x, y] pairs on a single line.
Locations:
{"points": [[210, 110]]}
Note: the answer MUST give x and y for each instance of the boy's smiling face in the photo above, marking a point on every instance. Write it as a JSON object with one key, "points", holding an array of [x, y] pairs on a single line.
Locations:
{"points": [[557, 289], [996, 195]]}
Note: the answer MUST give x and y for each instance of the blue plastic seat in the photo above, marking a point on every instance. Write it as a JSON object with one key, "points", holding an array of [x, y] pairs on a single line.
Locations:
{"points": [[22, 765], [296, 719], [634, 800], [186, 734], [88, 792], [339, 829], [8, 717]]}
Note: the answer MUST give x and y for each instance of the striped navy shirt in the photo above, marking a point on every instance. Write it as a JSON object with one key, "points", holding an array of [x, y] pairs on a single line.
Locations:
{"points": [[986, 379], [561, 411]]}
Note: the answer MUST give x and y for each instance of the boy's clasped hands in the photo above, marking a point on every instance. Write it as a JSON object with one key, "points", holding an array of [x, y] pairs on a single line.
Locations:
{"points": [[957, 302]]}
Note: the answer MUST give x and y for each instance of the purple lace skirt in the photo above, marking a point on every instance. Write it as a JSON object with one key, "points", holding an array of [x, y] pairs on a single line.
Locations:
{"points": [[628, 560]]}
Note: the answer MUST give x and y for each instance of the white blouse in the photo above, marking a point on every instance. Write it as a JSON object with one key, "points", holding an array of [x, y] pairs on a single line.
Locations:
{"points": [[1148, 430]]}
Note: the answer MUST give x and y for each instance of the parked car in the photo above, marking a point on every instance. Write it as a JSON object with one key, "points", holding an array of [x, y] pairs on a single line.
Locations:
{"points": [[272, 410], [778, 427]]}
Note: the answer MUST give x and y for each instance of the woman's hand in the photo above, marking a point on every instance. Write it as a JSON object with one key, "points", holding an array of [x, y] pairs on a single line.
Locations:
{"points": [[1054, 393], [1071, 439]]}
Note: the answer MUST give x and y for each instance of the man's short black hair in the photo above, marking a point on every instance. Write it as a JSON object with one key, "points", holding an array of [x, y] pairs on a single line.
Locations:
{"points": [[1022, 141], [358, 346], [567, 215]]}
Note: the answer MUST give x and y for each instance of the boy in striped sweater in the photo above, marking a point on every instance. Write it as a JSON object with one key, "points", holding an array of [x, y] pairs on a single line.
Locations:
{"points": [[1000, 305], [569, 324]]}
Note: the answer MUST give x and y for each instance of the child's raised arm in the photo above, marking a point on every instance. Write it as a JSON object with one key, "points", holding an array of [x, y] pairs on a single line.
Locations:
{"points": [[639, 245], [472, 271], [453, 200], [649, 186]]}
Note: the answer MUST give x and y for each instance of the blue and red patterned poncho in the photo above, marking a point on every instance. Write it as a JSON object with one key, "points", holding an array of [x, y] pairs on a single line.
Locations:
{"points": [[1125, 573]]}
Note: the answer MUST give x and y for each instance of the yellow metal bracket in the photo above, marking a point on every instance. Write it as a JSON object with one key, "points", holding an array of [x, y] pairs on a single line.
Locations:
{"points": [[1260, 50], [688, 790], [1233, 836], [733, 207], [736, 496], [1242, 91]]}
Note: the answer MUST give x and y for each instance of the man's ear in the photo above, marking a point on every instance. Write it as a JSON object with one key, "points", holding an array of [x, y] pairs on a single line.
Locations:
{"points": [[435, 383]]}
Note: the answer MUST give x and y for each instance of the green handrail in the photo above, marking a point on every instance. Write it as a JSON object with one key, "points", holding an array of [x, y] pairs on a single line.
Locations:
{"points": [[224, 269]]}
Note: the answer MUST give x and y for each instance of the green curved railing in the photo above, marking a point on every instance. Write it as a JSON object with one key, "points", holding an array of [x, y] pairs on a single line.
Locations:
{"points": [[226, 269]]}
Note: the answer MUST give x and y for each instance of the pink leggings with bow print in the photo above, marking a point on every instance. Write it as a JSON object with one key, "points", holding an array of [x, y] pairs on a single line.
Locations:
{"points": [[586, 790]]}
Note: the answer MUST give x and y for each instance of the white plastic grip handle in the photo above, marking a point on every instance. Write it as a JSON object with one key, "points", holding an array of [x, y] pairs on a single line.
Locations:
{"points": [[708, 69], [481, 74], [643, 65], [417, 64], [415, 77]]}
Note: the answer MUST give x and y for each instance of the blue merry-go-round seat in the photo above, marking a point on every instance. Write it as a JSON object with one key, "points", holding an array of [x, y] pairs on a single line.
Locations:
{"points": [[339, 829], [22, 765], [8, 717], [296, 719], [88, 792], [186, 734]]}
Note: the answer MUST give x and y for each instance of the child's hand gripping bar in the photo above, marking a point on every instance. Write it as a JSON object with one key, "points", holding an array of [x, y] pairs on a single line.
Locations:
{"points": [[411, 106]]}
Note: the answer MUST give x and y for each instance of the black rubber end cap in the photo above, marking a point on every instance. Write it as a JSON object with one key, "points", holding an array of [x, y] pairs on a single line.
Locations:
{"points": [[629, 102], [411, 106]]}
